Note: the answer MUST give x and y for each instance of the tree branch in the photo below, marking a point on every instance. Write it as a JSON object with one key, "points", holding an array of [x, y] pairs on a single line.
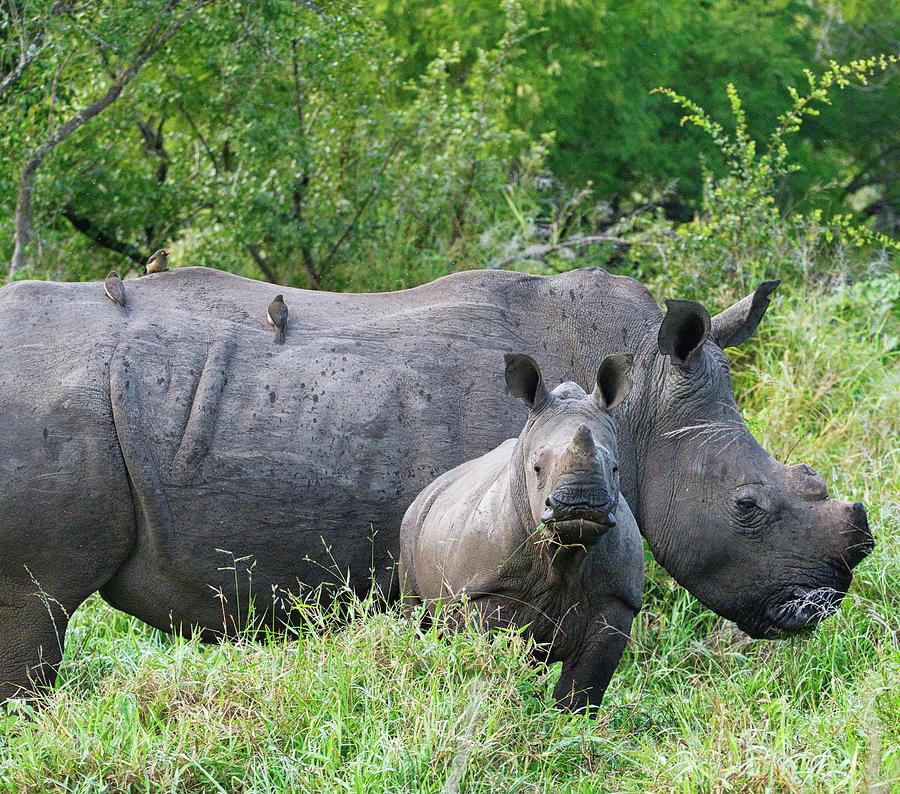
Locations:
{"points": [[153, 144], [29, 51], [326, 262], [151, 44], [262, 264], [308, 4], [860, 179], [459, 212], [879, 179], [196, 131], [309, 264], [298, 87], [94, 233], [34, 49]]}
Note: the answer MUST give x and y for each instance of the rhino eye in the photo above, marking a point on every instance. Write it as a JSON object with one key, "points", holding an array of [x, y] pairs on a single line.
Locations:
{"points": [[748, 508], [751, 517], [537, 469]]}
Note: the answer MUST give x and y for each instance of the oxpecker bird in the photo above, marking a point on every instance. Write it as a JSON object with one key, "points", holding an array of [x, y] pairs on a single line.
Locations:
{"points": [[114, 288], [277, 316], [158, 263]]}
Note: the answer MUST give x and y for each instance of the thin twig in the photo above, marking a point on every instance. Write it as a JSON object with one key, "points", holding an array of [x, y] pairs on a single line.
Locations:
{"points": [[93, 232], [262, 264], [209, 152], [29, 51]]}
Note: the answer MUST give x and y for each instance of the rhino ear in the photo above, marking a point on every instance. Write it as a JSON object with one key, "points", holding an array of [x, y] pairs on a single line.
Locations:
{"points": [[683, 331], [614, 379], [524, 380], [735, 325]]}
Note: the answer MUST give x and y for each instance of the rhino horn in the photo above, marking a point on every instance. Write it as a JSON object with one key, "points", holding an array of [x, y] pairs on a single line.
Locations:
{"points": [[583, 442], [736, 324]]}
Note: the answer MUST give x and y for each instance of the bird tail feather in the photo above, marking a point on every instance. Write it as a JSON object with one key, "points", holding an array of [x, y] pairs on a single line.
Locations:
{"points": [[279, 336]]}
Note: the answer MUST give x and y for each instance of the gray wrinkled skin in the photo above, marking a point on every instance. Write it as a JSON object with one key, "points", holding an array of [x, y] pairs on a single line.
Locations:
{"points": [[134, 448], [535, 534]]}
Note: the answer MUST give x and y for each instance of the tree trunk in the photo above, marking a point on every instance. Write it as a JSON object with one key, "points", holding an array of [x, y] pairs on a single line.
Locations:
{"points": [[23, 217]]}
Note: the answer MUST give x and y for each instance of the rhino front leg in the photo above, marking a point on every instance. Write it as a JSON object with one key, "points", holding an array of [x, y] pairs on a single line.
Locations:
{"points": [[62, 536], [32, 632], [585, 677]]}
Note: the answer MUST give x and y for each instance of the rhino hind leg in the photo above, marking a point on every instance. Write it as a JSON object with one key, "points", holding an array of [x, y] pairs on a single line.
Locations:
{"points": [[37, 601]]}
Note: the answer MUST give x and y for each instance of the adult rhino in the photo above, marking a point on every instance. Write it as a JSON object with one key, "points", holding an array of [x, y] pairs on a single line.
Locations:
{"points": [[134, 448]]}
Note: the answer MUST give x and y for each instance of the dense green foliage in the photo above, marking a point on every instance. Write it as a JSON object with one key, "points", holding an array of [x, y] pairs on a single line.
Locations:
{"points": [[588, 72], [267, 138], [367, 146], [377, 145]]}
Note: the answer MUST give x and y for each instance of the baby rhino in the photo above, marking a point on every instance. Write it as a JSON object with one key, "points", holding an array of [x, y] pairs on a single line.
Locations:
{"points": [[535, 532]]}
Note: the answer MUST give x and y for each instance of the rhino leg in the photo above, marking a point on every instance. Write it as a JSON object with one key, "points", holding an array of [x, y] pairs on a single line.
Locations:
{"points": [[66, 513], [61, 538], [32, 632], [46, 572], [585, 677], [63, 534]]}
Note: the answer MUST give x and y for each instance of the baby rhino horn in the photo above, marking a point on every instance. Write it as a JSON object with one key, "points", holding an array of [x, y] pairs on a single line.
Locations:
{"points": [[583, 443]]}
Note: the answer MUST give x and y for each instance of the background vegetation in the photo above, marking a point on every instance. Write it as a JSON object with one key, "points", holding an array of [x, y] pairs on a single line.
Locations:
{"points": [[377, 145]]}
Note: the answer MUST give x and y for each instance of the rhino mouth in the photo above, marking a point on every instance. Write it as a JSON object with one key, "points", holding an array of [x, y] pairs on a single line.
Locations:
{"points": [[579, 526], [585, 525], [805, 610], [801, 608]]}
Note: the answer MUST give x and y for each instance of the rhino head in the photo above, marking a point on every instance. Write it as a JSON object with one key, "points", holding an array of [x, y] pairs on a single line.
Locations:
{"points": [[568, 447], [758, 541]]}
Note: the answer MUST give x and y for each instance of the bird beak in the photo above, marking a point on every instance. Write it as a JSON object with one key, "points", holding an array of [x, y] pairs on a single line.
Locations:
{"points": [[167, 252]]}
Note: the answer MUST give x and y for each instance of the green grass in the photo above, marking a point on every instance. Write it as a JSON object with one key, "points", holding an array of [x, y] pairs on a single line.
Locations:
{"points": [[377, 705]]}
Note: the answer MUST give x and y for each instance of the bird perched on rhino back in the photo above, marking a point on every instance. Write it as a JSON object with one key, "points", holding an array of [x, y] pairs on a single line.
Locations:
{"points": [[114, 288], [277, 316], [158, 262]]}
